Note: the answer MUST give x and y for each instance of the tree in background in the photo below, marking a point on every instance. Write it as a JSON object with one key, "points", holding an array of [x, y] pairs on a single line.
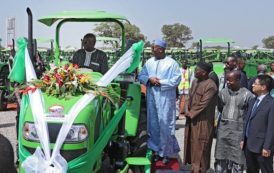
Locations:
{"points": [[107, 30], [114, 30], [255, 47], [268, 42], [176, 35], [194, 45], [0, 43]]}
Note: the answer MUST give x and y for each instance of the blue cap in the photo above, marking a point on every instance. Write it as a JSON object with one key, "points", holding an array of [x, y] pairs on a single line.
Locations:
{"points": [[160, 43]]}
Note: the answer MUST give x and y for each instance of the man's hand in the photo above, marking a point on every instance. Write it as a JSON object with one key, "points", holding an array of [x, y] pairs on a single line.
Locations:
{"points": [[154, 81], [242, 145], [266, 153], [189, 114]]}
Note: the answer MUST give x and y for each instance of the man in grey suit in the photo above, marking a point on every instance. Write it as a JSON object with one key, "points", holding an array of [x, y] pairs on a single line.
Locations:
{"points": [[258, 136]]}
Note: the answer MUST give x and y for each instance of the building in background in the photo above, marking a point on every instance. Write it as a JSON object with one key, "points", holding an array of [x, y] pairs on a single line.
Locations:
{"points": [[10, 31]]}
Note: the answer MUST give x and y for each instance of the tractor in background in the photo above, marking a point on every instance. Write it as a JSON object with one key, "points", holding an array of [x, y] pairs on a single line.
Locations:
{"points": [[6, 87]]}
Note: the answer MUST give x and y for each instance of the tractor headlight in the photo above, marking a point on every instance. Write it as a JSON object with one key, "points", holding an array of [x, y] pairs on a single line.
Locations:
{"points": [[30, 132], [77, 133]]}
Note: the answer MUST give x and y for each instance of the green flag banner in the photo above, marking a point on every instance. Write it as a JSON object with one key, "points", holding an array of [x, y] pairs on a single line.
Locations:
{"points": [[17, 73], [137, 48]]}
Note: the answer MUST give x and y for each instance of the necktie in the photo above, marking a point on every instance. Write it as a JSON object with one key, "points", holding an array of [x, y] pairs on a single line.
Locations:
{"points": [[255, 106]]}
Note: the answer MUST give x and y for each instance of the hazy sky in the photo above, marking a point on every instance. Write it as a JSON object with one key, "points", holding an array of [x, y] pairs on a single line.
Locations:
{"points": [[247, 22]]}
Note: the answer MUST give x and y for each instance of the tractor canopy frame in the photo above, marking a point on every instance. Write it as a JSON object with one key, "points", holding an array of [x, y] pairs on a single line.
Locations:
{"points": [[82, 16]]}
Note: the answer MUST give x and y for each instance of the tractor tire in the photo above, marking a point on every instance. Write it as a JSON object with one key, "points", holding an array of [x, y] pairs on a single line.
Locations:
{"points": [[140, 140], [3, 100], [106, 166], [7, 156]]}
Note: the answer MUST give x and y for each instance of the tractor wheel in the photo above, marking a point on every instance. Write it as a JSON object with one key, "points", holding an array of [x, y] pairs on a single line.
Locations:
{"points": [[7, 156], [106, 166], [140, 141], [3, 100]]}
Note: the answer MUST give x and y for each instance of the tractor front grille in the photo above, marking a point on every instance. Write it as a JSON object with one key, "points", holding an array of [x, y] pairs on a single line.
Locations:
{"points": [[54, 129], [67, 154]]}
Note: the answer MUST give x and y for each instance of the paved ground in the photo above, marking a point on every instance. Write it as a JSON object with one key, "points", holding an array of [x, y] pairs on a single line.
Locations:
{"points": [[8, 128], [180, 137]]}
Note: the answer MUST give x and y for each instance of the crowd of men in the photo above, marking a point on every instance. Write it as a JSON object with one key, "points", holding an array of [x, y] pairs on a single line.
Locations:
{"points": [[244, 134]]}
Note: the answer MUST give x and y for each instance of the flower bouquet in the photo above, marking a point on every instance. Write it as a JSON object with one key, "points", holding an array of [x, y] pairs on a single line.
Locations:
{"points": [[66, 81]]}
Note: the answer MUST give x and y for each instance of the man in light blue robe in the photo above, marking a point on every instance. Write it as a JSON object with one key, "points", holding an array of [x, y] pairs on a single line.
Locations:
{"points": [[161, 76]]}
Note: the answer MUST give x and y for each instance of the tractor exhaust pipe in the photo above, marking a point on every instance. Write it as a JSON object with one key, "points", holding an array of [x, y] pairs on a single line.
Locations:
{"points": [[200, 49], [30, 36], [13, 49], [228, 48], [51, 45]]}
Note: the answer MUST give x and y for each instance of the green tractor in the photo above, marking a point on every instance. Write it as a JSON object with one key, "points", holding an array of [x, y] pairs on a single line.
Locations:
{"points": [[4, 72], [103, 137], [112, 51], [214, 55], [44, 54], [254, 58], [6, 88]]}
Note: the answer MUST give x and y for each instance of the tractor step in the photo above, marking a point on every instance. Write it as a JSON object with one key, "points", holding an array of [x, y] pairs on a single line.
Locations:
{"points": [[12, 106]]}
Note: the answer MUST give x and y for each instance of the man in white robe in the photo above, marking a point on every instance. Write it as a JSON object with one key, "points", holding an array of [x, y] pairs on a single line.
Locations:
{"points": [[161, 76]]}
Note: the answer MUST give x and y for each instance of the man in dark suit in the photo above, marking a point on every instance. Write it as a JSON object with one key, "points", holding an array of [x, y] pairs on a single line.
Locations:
{"points": [[89, 57], [230, 65], [261, 70], [258, 135]]}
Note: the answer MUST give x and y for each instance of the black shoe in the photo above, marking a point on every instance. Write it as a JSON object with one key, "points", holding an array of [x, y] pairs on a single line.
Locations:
{"points": [[165, 160]]}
